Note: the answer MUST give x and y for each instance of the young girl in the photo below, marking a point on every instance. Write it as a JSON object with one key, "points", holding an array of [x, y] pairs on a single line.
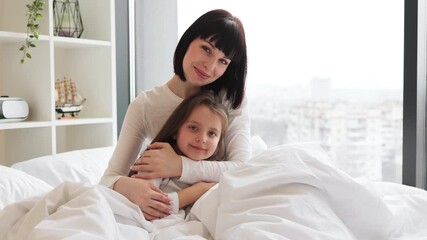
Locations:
{"points": [[195, 129]]}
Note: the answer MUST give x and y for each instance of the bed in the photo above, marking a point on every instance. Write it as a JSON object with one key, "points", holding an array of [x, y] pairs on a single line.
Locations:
{"points": [[291, 191]]}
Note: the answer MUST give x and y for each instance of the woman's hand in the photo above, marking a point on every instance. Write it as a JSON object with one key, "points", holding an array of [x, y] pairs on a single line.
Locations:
{"points": [[158, 161], [151, 200]]}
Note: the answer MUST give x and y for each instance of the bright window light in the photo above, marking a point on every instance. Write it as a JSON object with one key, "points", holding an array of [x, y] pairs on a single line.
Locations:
{"points": [[327, 71]]}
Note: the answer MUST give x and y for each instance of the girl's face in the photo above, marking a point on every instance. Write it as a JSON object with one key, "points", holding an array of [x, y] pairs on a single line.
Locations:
{"points": [[199, 135], [203, 63]]}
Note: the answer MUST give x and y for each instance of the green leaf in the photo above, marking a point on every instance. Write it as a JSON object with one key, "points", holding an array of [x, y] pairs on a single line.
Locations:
{"points": [[34, 12]]}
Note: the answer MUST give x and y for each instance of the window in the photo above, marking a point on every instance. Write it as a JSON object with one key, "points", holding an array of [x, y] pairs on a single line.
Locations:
{"points": [[328, 71]]}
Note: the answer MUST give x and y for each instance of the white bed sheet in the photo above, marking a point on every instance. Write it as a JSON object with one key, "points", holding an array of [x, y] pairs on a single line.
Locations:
{"points": [[286, 192]]}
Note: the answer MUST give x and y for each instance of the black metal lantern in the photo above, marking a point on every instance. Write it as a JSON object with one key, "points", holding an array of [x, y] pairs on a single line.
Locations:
{"points": [[67, 18]]}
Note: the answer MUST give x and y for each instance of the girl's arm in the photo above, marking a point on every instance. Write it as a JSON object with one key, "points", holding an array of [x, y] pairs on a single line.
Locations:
{"points": [[190, 194]]}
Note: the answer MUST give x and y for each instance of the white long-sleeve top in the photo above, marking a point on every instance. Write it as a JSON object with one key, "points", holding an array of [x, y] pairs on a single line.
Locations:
{"points": [[145, 117]]}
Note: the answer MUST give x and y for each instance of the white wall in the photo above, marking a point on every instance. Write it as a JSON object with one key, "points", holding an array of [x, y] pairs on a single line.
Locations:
{"points": [[155, 42]]}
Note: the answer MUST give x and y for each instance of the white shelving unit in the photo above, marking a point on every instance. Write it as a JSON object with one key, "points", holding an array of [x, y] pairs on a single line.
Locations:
{"points": [[88, 60]]}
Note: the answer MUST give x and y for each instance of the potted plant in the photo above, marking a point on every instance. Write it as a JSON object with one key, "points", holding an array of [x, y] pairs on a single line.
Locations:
{"points": [[33, 14]]}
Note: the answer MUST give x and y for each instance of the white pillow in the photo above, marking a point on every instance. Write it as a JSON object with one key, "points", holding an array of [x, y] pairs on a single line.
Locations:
{"points": [[87, 165], [16, 185]]}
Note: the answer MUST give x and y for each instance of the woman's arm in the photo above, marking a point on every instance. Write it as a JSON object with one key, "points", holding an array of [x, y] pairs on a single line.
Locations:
{"points": [[129, 144], [150, 199], [161, 161]]}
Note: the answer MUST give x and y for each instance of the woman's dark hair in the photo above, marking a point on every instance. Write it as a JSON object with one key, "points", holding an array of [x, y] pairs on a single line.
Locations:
{"points": [[178, 117], [227, 33]]}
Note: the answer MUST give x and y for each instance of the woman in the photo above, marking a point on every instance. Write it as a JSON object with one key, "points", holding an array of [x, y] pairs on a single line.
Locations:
{"points": [[211, 55]]}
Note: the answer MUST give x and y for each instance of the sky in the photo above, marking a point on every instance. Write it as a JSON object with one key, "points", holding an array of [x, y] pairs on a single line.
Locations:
{"points": [[354, 43]]}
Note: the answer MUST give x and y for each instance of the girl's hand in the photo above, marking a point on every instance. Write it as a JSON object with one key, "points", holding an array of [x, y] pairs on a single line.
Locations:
{"points": [[153, 203], [158, 161]]}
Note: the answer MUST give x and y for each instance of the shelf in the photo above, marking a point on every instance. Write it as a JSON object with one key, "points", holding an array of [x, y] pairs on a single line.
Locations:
{"points": [[66, 42], [63, 122], [88, 60], [13, 37], [24, 124], [83, 121], [62, 42]]}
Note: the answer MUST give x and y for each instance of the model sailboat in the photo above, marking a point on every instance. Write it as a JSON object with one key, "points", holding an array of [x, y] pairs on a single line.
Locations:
{"points": [[68, 100]]}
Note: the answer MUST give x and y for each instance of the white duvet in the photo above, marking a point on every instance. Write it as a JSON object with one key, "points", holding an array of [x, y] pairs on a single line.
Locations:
{"points": [[293, 192], [286, 192], [74, 211]]}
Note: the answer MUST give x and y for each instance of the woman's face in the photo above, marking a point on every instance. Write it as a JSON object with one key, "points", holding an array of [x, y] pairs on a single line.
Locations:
{"points": [[203, 63], [198, 137]]}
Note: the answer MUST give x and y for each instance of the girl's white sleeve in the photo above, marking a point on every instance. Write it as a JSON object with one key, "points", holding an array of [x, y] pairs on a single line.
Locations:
{"points": [[237, 151], [129, 145]]}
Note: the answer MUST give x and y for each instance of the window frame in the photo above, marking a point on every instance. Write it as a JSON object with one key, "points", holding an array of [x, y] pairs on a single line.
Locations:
{"points": [[414, 95]]}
